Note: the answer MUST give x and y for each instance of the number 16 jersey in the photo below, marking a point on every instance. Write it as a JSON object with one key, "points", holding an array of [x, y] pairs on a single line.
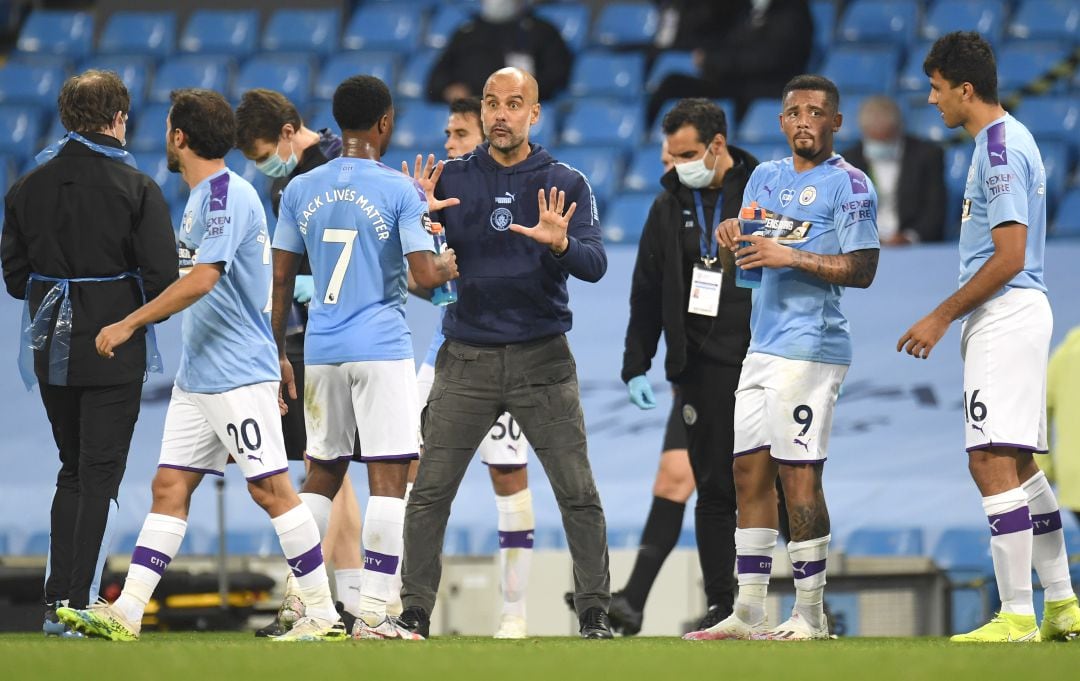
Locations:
{"points": [[357, 219]]}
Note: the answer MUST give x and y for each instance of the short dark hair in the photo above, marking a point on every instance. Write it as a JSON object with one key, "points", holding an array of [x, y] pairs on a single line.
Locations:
{"points": [[360, 101], [88, 101], [261, 115], [206, 119], [815, 83], [466, 105], [705, 115], [965, 57]]}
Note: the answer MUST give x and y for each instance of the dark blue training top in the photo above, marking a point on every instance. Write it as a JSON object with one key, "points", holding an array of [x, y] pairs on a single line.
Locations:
{"points": [[513, 289]]}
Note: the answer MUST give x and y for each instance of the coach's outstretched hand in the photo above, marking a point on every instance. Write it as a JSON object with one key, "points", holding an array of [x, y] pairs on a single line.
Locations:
{"points": [[551, 229], [427, 176], [111, 337], [921, 338]]}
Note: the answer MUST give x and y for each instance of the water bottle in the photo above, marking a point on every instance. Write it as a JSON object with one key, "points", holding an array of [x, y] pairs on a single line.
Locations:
{"points": [[447, 293], [751, 221]]}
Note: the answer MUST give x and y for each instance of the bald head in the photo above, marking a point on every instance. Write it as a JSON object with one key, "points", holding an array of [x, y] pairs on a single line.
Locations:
{"points": [[880, 118], [511, 79]]}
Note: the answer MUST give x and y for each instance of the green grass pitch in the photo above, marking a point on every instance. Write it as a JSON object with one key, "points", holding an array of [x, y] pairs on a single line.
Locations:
{"points": [[238, 657]]}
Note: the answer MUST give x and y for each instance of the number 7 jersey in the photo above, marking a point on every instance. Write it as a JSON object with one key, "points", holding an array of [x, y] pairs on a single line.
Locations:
{"points": [[357, 219]]}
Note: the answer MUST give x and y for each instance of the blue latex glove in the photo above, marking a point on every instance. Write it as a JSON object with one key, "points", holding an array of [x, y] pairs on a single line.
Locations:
{"points": [[641, 392], [304, 288]]}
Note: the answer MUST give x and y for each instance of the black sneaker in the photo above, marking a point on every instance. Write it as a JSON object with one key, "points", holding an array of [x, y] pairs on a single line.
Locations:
{"points": [[271, 630], [624, 618], [347, 618], [54, 627], [594, 624], [713, 616], [416, 619]]}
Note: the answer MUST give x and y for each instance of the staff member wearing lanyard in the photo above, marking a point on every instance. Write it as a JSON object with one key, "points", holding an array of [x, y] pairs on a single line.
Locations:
{"points": [[87, 238], [684, 285]]}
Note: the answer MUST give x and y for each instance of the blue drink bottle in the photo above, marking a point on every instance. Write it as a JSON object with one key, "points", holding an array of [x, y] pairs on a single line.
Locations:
{"points": [[447, 293], [752, 221]]}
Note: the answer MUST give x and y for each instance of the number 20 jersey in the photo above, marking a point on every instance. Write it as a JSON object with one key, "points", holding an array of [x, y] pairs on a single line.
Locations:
{"points": [[357, 219]]}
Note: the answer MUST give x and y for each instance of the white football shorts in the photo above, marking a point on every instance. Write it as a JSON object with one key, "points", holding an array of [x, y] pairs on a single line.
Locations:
{"points": [[203, 429], [377, 398], [504, 446], [1005, 344], [786, 406]]}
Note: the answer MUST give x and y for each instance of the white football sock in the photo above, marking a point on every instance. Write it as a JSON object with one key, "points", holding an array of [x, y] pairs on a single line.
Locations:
{"points": [[754, 548], [299, 537], [158, 542], [348, 588], [516, 527], [1010, 546], [320, 510], [808, 559], [382, 538], [1048, 552]]}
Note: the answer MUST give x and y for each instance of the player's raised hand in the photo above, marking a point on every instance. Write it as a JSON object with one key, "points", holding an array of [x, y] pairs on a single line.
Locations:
{"points": [[728, 233], [554, 221], [111, 337], [427, 175], [763, 251], [921, 338]]}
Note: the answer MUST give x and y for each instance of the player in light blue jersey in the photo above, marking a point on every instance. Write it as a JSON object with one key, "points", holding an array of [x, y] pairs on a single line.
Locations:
{"points": [[820, 236], [1005, 342], [359, 222], [225, 401]]}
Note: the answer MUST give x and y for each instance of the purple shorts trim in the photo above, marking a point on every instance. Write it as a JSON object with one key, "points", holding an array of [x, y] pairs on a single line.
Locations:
{"points": [[189, 469], [505, 466], [988, 445], [792, 462], [327, 462], [751, 451], [260, 476], [389, 457]]}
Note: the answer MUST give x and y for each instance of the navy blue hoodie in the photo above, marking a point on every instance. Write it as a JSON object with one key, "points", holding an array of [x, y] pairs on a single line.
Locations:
{"points": [[513, 289]]}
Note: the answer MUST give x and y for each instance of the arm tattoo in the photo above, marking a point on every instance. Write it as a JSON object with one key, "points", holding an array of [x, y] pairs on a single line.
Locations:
{"points": [[855, 269], [809, 521]]}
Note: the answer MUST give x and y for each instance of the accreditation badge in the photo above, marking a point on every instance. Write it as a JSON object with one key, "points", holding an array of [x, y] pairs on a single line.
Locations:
{"points": [[705, 291]]}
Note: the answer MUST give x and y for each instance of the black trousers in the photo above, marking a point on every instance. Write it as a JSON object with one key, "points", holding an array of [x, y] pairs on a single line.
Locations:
{"points": [[92, 427], [707, 391]]}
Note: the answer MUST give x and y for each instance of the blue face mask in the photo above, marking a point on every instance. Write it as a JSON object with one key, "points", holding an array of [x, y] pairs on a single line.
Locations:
{"points": [[273, 166]]}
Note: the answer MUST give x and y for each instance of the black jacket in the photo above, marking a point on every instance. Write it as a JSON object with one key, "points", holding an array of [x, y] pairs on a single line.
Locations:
{"points": [[479, 48], [85, 215], [921, 194], [660, 291]]}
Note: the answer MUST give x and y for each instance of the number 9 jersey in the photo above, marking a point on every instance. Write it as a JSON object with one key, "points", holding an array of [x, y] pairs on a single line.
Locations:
{"points": [[357, 219]]}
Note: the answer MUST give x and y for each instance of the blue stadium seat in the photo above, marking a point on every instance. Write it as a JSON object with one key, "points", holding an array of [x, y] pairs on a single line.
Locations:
{"points": [[644, 170], [862, 70], [25, 84], [880, 21], [1067, 224], [20, 131], [412, 81], [657, 132], [57, 32], [302, 30], [1022, 62], [395, 155], [925, 121], [246, 169], [761, 123], [625, 218], [1046, 20], [151, 33], [985, 16], [624, 24], [289, 74], [571, 19], [420, 125], [37, 544], [549, 538], [824, 16], [885, 541], [668, 63], [7, 176], [149, 131], [766, 151], [849, 130], [1055, 156], [321, 116], [964, 554], [544, 132], [190, 70], [382, 65], [229, 32], [606, 74], [133, 70], [156, 165], [602, 166], [912, 78], [456, 541], [383, 27], [596, 122], [444, 23], [1053, 117]]}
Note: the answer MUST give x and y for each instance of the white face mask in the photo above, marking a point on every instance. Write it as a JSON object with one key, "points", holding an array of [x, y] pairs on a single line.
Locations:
{"points": [[877, 150], [695, 174], [498, 11]]}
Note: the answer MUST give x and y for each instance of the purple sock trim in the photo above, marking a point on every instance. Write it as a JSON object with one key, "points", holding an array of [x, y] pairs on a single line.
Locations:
{"points": [[807, 568], [151, 559], [306, 562], [1044, 523], [754, 565], [1017, 520], [520, 539], [380, 562]]}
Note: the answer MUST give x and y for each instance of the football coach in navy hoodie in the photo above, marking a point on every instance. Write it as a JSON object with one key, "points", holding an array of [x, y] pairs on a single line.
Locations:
{"points": [[523, 224]]}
